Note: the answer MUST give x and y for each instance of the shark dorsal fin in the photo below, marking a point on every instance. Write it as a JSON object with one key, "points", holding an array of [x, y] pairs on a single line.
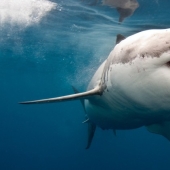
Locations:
{"points": [[119, 38]]}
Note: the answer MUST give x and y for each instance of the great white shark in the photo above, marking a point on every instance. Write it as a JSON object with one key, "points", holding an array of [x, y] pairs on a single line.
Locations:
{"points": [[125, 8], [131, 88]]}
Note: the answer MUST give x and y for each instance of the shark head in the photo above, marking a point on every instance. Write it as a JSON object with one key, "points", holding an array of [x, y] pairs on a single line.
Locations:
{"points": [[136, 77], [142, 64]]}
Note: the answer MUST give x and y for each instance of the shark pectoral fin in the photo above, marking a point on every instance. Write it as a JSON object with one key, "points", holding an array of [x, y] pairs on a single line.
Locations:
{"points": [[91, 131], [91, 126], [161, 129], [81, 100], [75, 90]]}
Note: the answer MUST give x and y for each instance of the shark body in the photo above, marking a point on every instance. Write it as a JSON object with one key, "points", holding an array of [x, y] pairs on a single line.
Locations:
{"points": [[131, 88], [125, 8]]}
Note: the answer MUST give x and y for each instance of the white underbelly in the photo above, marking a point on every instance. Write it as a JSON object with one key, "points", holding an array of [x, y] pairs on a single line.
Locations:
{"points": [[121, 116], [131, 99]]}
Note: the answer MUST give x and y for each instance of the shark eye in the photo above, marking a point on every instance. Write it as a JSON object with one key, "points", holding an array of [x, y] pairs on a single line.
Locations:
{"points": [[168, 64]]}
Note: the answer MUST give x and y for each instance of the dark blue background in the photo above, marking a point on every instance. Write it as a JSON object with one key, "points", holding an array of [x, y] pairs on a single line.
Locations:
{"points": [[43, 60]]}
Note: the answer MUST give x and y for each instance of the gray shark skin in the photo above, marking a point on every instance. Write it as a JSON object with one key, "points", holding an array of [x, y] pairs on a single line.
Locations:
{"points": [[125, 8], [131, 88]]}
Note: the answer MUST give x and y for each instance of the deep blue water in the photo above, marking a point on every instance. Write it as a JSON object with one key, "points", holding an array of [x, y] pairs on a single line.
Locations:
{"points": [[42, 57]]}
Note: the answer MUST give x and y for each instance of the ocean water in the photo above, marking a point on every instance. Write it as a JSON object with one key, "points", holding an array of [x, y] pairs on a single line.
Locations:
{"points": [[46, 47]]}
